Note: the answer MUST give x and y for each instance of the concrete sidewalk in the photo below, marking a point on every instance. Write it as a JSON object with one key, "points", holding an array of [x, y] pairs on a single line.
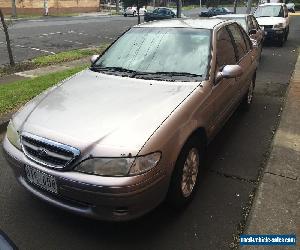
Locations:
{"points": [[43, 70], [276, 208]]}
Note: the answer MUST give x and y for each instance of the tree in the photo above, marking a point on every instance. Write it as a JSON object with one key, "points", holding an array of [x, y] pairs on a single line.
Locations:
{"points": [[13, 8], [10, 55]]}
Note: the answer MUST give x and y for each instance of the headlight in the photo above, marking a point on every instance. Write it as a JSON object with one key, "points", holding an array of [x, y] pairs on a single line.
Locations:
{"points": [[278, 26], [13, 135], [119, 166]]}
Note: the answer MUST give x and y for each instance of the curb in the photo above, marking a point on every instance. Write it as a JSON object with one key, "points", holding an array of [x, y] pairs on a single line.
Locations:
{"points": [[276, 202]]}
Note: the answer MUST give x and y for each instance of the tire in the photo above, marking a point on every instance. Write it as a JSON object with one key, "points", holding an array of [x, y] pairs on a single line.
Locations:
{"points": [[186, 173], [261, 47], [281, 40], [286, 34], [125, 15], [248, 98], [134, 13]]}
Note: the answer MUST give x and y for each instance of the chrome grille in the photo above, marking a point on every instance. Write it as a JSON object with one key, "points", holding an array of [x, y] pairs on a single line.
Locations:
{"points": [[46, 152]]}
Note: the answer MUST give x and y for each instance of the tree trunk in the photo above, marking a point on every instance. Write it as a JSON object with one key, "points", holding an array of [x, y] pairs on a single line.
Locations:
{"points": [[138, 11], [249, 4], [99, 6], [10, 55], [179, 7], [234, 6], [117, 6], [13, 8], [46, 8]]}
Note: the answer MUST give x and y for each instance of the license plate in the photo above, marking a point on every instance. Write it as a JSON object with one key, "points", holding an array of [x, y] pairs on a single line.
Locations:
{"points": [[41, 179]]}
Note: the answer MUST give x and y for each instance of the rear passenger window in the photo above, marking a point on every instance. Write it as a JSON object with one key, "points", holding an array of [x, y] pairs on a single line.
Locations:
{"points": [[247, 40], [239, 40], [225, 49]]}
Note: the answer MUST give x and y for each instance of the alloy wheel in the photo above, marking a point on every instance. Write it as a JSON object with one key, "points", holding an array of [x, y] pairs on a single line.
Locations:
{"points": [[190, 172]]}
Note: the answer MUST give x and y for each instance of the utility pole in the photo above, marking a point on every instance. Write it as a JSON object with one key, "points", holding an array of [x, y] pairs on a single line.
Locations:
{"points": [[11, 58], [179, 7], [249, 4], [13, 8]]}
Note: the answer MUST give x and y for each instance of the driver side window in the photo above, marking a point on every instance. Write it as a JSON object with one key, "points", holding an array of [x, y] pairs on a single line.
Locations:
{"points": [[225, 50]]}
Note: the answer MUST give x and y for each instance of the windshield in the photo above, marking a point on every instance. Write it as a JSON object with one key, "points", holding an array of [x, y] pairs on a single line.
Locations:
{"points": [[269, 11], [160, 50]]}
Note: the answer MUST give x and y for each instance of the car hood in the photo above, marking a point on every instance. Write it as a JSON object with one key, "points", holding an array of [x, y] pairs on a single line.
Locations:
{"points": [[269, 20], [102, 113]]}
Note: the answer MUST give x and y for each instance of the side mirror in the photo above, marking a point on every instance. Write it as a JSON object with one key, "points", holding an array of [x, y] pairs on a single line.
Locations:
{"points": [[94, 58], [252, 32], [229, 71]]}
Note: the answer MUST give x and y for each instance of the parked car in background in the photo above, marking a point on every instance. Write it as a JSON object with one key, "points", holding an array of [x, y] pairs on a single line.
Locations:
{"points": [[215, 12], [291, 7], [132, 11], [115, 140], [273, 18], [160, 14], [250, 24]]}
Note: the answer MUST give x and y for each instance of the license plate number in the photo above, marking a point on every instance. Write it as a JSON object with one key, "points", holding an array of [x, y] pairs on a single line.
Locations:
{"points": [[41, 179]]}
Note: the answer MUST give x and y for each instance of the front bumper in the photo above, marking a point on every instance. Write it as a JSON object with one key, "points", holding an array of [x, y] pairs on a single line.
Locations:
{"points": [[273, 34], [92, 196]]}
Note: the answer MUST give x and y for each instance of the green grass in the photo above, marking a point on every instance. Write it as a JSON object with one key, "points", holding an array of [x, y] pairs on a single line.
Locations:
{"points": [[14, 95], [66, 56], [42, 61]]}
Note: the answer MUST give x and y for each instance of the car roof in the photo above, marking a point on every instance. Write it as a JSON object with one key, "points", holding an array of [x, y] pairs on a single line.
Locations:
{"points": [[267, 4], [205, 23]]}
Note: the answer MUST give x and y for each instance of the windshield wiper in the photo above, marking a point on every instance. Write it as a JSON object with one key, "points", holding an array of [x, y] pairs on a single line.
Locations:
{"points": [[178, 74], [168, 74], [118, 69]]}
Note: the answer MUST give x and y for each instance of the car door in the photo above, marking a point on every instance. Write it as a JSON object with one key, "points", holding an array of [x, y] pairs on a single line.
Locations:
{"points": [[246, 57], [226, 90], [168, 14]]}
